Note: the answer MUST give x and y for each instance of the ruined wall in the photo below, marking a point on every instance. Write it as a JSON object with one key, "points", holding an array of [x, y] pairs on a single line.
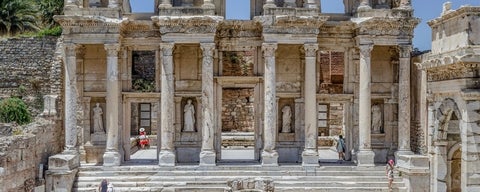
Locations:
{"points": [[238, 113], [21, 155]]}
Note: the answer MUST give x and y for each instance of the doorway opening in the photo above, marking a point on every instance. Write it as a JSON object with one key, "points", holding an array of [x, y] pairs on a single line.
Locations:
{"points": [[238, 125], [143, 133]]}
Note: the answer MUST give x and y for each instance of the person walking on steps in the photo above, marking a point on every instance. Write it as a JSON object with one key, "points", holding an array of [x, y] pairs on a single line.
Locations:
{"points": [[341, 148], [103, 186], [389, 171]]}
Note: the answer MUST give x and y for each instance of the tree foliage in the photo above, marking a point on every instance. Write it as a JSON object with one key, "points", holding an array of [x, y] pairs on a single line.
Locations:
{"points": [[18, 16], [48, 9]]}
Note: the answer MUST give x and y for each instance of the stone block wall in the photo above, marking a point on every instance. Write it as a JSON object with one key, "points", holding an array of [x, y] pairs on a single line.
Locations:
{"points": [[238, 113], [29, 63], [21, 155]]}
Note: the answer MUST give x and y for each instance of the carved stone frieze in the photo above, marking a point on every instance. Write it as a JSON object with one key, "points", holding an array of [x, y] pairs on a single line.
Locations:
{"points": [[449, 72], [292, 24], [235, 29], [384, 26], [139, 29], [88, 24], [189, 25]]}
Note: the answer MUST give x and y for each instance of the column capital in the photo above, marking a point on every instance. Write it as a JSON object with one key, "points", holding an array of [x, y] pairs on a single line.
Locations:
{"points": [[112, 49], [366, 49], [167, 48], [165, 4], [269, 49], [207, 4], [310, 49], [207, 48], [404, 50], [405, 4], [71, 49], [364, 5]]}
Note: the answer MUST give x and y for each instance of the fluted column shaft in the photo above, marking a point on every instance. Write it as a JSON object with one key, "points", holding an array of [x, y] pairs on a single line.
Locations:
{"points": [[207, 155], [167, 155], [112, 156], [310, 153], [71, 97], [404, 99], [365, 156], [269, 154]]}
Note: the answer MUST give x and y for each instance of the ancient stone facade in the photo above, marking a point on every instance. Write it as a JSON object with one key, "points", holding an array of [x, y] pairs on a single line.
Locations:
{"points": [[328, 69], [450, 100]]}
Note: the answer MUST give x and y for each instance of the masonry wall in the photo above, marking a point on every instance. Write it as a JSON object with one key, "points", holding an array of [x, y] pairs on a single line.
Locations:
{"points": [[29, 68]]}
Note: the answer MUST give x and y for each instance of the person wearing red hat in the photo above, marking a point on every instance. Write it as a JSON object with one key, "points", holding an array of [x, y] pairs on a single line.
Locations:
{"points": [[389, 169]]}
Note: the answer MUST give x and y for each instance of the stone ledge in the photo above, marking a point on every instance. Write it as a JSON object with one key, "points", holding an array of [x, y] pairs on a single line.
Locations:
{"points": [[63, 162], [413, 164]]}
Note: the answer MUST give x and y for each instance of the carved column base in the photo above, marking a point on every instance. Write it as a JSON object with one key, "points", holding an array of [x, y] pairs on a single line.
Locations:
{"points": [[83, 154], [207, 158], [166, 158], [269, 5], [310, 157], [366, 158], [269, 158], [363, 8], [208, 6], [111, 158]]}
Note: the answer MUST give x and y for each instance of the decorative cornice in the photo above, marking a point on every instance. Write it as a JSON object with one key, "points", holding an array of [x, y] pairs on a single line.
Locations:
{"points": [[465, 55], [138, 29], [189, 25], [387, 26], [292, 24], [234, 29], [450, 72], [88, 24], [463, 11]]}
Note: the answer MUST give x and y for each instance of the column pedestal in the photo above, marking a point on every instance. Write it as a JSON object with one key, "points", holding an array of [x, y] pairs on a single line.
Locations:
{"points": [[166, 158], [365, 158], [111, 158], [208, 158], [310, 158], [269, 158]]}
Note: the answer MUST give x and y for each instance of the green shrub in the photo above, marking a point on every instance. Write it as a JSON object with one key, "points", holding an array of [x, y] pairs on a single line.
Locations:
{"points": [[14, 110], [54, 31]]}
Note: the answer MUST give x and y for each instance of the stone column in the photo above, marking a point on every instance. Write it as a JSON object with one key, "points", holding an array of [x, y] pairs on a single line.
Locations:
{"points": [[113, 4], [71, 98], [269, 4], [310, 153], [269, 154], [207, 155], [365, 155], [404, 100], [112, 156], [364, 5], [167, 154], [310, 4], [69, 159], [208, 4], [165, 4]]}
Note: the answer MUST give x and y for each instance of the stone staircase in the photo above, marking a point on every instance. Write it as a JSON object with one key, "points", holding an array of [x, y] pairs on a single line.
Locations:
{"points": [[287, 178]]}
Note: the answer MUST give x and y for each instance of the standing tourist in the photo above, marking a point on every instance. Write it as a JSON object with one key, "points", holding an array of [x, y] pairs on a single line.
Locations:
{"points": [[389, 171], [341, 148]]}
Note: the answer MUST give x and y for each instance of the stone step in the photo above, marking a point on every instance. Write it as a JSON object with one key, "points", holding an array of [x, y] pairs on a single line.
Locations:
{"points": [[157, 189]]}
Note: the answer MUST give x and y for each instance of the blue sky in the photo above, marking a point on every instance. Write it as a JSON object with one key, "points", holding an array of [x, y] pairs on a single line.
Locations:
{"points": [[424, 9]]}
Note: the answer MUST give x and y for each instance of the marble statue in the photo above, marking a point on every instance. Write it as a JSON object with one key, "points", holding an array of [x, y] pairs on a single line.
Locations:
{"points": [[189, 117], [98, 119], [286, 119], [376, 118]]}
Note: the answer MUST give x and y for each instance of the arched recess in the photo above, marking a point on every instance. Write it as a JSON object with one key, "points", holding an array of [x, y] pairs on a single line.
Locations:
{"points": [[446, 112], [454, 179]]}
